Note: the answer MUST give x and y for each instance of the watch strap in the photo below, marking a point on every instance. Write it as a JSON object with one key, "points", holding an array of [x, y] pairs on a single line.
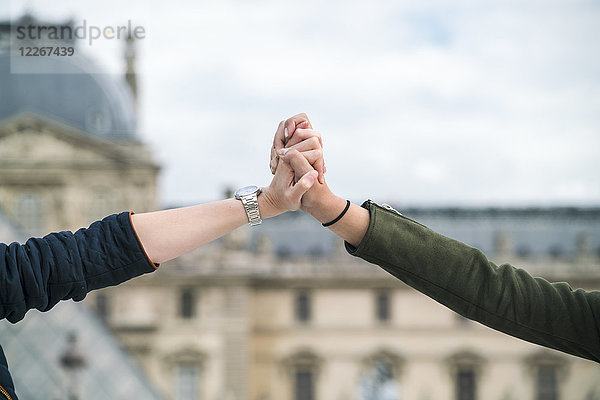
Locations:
{"points": [[250, 203]]}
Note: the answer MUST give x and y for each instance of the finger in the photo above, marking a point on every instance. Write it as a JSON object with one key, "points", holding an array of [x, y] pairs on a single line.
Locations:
{"points": [[274, 161], [278, 143], [279, 139], [302, 186], [292, 123], [310, 139], [297, 162], [310, 143], [313, 153], [303, 134]]}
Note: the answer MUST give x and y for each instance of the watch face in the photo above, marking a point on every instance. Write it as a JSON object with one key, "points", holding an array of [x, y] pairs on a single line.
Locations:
{"points": [[246, 191]]}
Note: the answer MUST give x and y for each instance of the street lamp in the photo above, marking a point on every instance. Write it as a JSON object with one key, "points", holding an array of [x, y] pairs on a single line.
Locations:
{"points": [[72, 360]]}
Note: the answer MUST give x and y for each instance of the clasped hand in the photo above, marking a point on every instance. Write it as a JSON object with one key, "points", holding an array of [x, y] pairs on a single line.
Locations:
{"points": [[298, 167]]}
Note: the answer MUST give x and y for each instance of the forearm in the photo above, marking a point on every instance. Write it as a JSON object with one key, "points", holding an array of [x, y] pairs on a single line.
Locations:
{"points": [[168, 234], [66, 265], [326, 206], [502, 297]]}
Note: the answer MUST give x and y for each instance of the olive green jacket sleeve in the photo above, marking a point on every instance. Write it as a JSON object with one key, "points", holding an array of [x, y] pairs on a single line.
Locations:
{"points": [[502, 297]]}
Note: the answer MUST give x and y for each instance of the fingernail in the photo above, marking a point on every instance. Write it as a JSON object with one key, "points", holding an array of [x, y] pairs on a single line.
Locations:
{"points": [[285, 133], [283, 151]]}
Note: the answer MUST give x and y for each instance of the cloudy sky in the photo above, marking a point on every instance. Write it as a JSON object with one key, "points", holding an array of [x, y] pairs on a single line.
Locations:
{"points": [[465, 102]]}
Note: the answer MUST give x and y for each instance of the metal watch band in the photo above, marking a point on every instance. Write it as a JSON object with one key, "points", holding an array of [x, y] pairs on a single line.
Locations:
{"points": [[250, 203]]}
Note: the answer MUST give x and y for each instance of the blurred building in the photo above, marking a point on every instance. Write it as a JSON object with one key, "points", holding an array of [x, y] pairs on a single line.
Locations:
{"points": [[69, 154], [262, 316], [278, 312]]}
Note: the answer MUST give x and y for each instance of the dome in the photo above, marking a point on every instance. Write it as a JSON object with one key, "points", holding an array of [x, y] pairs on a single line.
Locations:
{"points": [[100, 104]]}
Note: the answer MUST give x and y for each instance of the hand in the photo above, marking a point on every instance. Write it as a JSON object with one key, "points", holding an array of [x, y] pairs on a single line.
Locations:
{"points": [[307, 142], [292, 132], [286, 190], [322, 204], [319, 201]]}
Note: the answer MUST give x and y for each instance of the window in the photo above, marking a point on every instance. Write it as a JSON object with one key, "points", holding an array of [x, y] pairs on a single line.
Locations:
{"points": [[466, 384], [303, 307], [304, 385], [303, 369], [547, 368], [378, 383], [465, 369], [30, 213], [383, 306], [187, 306], [284, 252], [547, 383], [523, 251], [187, 377], [556, 251]]}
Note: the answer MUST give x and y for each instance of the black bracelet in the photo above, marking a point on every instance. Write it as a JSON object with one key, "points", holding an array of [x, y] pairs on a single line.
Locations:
{"points": [[339, 216]]}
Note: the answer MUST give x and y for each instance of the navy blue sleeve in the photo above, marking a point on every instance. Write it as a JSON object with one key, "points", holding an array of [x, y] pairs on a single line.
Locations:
{"points": [[66, 265]]}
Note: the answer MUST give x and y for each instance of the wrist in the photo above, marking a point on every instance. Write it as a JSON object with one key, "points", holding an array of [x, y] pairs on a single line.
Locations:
{"points": [[266, 206], [325, 206]]}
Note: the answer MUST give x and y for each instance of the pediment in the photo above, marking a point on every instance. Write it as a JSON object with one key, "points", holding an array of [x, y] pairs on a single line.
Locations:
{"points": [[29, 139]]}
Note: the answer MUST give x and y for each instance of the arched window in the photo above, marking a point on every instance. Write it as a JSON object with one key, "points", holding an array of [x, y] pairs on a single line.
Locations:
{"points": [[466, 383], [186, 366], [30, 212], [187, 381], [465, 368], [379, 379], [303, 368], [548, 370]]}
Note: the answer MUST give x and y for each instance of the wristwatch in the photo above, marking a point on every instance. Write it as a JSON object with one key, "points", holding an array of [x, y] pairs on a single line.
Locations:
{"points": [[249, 197]]}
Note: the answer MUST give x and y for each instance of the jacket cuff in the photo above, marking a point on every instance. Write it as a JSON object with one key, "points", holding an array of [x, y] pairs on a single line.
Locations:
{"points": [[376, 235], [357, 251], [139, 243]]}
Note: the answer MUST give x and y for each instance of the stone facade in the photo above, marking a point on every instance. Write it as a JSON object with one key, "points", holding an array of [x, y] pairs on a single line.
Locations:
{"points": [[233, 320], [55, 177]]}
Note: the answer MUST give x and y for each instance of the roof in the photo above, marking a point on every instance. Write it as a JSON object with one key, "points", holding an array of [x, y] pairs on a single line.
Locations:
{"points": [[98, 104], [531, 232], [70, 90]]}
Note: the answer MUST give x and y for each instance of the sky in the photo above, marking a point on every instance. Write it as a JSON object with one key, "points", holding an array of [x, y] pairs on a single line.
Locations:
{"points": [[428, 103]]}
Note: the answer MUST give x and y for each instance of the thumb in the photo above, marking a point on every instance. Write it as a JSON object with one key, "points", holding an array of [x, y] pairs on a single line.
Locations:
{"points": [[303, 185], [297, 162]]}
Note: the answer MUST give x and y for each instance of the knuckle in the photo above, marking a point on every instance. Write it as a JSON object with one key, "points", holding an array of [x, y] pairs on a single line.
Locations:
{"points": [[293, 153]]}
